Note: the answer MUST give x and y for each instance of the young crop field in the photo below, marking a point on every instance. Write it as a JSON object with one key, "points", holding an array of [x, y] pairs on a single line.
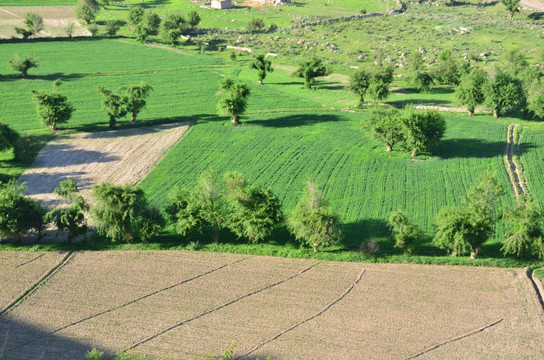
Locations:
{"points": [[183, 305]]}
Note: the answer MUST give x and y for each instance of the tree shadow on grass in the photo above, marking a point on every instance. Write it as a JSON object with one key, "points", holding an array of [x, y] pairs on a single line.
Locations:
{"points": [[472, 148], [296, 120], [49, 77], [429, 102]]}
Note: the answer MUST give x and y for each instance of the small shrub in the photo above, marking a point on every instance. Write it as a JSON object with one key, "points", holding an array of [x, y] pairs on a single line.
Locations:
{"points": [[94, 354], [112, 27], [93, 29], [194, 246], [370, 247]]}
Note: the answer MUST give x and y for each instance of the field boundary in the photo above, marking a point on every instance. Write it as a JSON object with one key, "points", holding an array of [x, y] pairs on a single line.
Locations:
{"points": [[455, 339], [42, 280], [512, 168], [327, 307], [52, 332], [196, 317]]}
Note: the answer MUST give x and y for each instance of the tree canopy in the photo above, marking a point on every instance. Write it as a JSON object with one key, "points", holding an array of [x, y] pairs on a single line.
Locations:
{"points": [[309, 70], [233, 102], [262, 65], [52, 107]]}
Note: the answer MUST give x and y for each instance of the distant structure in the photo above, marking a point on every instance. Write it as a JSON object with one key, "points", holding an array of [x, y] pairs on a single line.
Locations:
{"points": [[274, 2], [221, 4]]}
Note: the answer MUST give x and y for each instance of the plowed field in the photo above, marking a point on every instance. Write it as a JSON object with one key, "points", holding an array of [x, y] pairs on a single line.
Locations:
{"points": [[182, 305]]}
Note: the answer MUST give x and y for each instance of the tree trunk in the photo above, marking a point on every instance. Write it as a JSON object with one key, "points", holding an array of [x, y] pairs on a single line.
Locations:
{"points": [[510, 14], [53, 126], [23, 73], [260, 82], [388, 147], [112, 121], [495, 114], [470, 112], [133, 118], [414, 153], [215, 232], [235, 120]]}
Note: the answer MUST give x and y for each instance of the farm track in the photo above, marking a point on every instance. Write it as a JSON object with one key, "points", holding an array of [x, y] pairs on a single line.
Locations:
{"points": [[512, 168], [154, 336], [93, 316], [41, 281], [327, 307]]}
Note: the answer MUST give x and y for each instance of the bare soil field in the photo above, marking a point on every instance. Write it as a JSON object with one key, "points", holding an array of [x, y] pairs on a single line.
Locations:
{"points": [[182, 305], [20, 270], [116, 156], [55, 19]]}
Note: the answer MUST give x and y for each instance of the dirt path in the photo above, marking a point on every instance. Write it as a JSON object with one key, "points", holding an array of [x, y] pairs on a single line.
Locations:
{"points": [[117, 156], [515, 174], [533, 4]]}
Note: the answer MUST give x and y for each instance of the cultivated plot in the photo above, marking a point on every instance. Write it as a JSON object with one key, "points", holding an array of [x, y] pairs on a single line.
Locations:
{"points": [[117, 156], [181, 305]]}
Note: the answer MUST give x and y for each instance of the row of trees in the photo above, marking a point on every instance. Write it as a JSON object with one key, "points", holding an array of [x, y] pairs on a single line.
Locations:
{"points": [[147, 23], [122, 213]]}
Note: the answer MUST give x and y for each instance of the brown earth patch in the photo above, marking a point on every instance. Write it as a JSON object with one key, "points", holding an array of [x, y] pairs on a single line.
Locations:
{"points": [[116, 156], [182, 305]]}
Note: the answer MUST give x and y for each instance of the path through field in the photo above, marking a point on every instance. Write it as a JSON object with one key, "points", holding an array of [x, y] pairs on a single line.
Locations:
{"points": [[182, 305], [515, 174], [116, 156]]}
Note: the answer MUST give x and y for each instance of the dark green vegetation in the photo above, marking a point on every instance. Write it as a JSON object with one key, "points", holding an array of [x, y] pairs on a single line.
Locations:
{"points": [[289, 133]]}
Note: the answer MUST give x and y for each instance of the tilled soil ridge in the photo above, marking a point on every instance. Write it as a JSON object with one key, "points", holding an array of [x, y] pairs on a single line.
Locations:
{"points": [[515, 174]]}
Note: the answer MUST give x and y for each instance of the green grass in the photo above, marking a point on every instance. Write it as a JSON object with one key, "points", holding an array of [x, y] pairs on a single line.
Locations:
{"points": [[539, 273], [37, 2]]}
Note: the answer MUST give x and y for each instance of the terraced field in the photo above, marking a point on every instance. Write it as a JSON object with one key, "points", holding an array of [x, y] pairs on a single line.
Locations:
{"points": [[182, 305]]}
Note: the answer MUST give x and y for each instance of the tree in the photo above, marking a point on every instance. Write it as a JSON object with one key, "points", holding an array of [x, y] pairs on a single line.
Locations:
{"points": [[253, 211], [525, 235], [470, 91], [86, 12], [112, 26], [183, 212], [515, 62], [70, 215], [52, 107], [386, 125], [406, 233], [113, 104], [70, 29], [23, 65], [103, 3], [209, 201], [9, 138], [313, 222], [18, 213], [122, 213], [423, 81], [234, 99], [447, 70], [136, 15], [373, 82], [417, 75], [33, 23], [536, 104], [262, 65], [254, 25], [503, 92], [466, 228], [311, 69], [152, 23], [422, 129], [512, 6], [173, 26], [134, 99], [193, 19]]}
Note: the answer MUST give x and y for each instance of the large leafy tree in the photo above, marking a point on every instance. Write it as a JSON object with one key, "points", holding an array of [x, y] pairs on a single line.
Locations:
{"points": [[87, 10], [253, 212], [71, 214], [18, 213], [447, 70], [503, 92], [114, 105], [122, 213], [22, 64], [422, 129], [313, 222], [184, 212], [471, 89], [193, 19], [525, 235], [262, 65], [309, 70], [134, 99], [386, 125], [233, 102], [466, 228], [52, 107]]}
